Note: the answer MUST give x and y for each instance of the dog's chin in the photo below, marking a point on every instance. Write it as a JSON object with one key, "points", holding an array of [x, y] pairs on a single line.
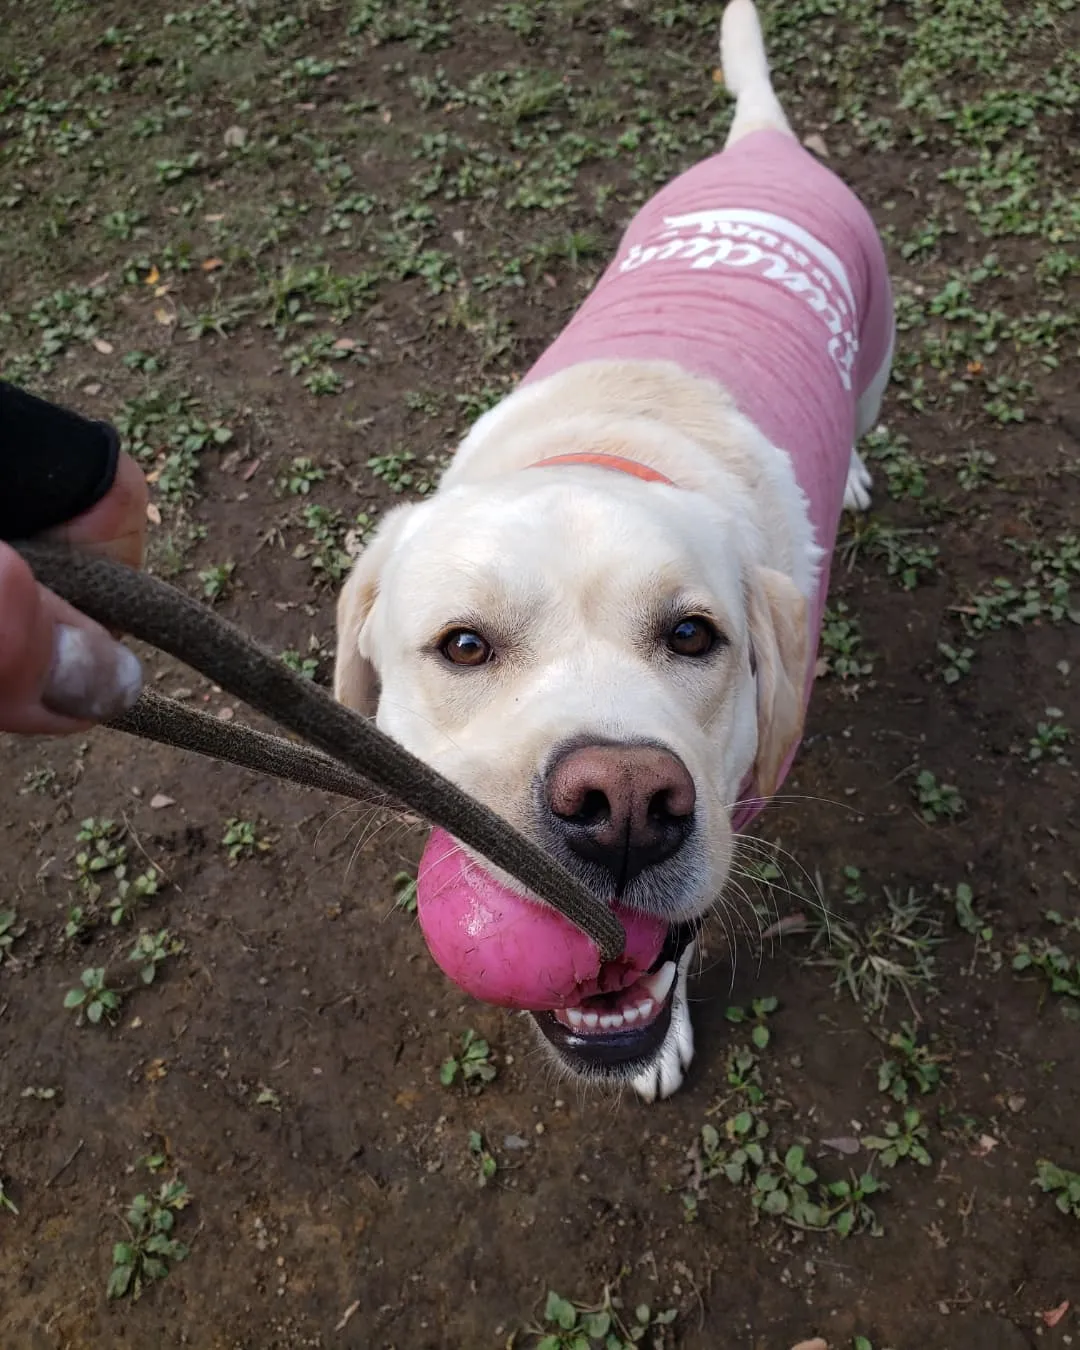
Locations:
{"points": [[614, 1038]]}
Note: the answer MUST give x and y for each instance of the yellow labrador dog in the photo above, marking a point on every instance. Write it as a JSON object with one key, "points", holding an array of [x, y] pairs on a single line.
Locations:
{"points": [[604, 623]]}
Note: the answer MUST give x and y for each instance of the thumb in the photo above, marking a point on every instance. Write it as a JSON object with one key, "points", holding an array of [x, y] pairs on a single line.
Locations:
{"points": [[59, 671]]}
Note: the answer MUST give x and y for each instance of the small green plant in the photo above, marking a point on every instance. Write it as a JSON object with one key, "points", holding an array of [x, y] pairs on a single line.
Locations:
{"points": [[901, 1139], [405, 892], [1060, 970], [841, 644], [1063, 1185], [571, 1326], [243, 840], [472, 1064], [937, 801], [93, 999], [1050, 739], [9, 931], [150, 1247], [912, 1067], [486, 1166], [759, 1012], [956, 662], [217, 580], [75, 923], [966, 917], [303, 473], [401, 471], [151, 950], [105, 858], [306, 666]]}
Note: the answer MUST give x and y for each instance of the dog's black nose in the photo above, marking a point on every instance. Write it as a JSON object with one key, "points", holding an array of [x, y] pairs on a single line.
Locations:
{"points": [[624, 807]]}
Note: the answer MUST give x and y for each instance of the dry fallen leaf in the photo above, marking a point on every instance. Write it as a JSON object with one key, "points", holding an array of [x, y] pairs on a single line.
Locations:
{"points": [[845, 1144], [92, 390], [214, 217], [102, 346], [718, 76], [816, 145], [816, 1344], [251, 470], [158, 801], [212, 264], [985, 1146], [152, 277], [1054, 1316], [345, 345], [235, 137], [164, 317], [155, 1071]]}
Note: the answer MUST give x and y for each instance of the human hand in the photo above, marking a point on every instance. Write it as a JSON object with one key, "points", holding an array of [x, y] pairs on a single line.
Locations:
{"points": [[59, 671]]}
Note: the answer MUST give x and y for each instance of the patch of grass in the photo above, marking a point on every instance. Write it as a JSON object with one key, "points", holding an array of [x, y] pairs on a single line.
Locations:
{"points": [[150, 1248], [890, 951], [472, 1066]]}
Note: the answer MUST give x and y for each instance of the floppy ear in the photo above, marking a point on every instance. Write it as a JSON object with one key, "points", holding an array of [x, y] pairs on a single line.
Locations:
{"points": [[356, 682], [778, 615]]}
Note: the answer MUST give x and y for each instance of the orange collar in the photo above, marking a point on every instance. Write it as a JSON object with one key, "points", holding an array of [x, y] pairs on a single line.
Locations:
{"points": [[614, 462]]}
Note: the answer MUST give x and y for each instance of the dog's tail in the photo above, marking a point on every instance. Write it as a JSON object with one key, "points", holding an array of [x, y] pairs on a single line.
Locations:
{"points": [[746, 73]]}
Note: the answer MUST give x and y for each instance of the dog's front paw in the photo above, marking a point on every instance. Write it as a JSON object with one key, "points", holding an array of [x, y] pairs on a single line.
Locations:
{"points": [[859, 483], [665, 1074]]}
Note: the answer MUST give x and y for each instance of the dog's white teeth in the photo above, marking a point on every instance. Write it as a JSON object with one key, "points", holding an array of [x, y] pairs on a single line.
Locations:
{"points": [[659, 985], [631, 1015], [591, 1019], [642, 1010], [574, 1016]]}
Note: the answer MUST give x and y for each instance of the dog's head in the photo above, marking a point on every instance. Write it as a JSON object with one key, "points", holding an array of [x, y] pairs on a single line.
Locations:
{"points": [[599, 660]]}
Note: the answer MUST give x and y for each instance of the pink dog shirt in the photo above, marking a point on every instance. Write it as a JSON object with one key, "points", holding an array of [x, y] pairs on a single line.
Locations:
{"points": [[760, 269]]}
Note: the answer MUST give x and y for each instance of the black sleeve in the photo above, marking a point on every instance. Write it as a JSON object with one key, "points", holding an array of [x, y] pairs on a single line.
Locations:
{"points": [[54, 464]]}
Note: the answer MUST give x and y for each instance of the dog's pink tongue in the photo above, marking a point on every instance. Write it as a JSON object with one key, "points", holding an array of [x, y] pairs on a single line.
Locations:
{"points": [[502, 948]]}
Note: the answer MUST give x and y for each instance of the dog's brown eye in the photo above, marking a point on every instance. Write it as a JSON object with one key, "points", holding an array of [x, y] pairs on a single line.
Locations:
{"points": [[463, 647], [692, 636]]}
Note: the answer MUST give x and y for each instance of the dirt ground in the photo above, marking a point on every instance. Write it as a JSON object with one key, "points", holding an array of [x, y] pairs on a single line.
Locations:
{"points": [[292, 249]]}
